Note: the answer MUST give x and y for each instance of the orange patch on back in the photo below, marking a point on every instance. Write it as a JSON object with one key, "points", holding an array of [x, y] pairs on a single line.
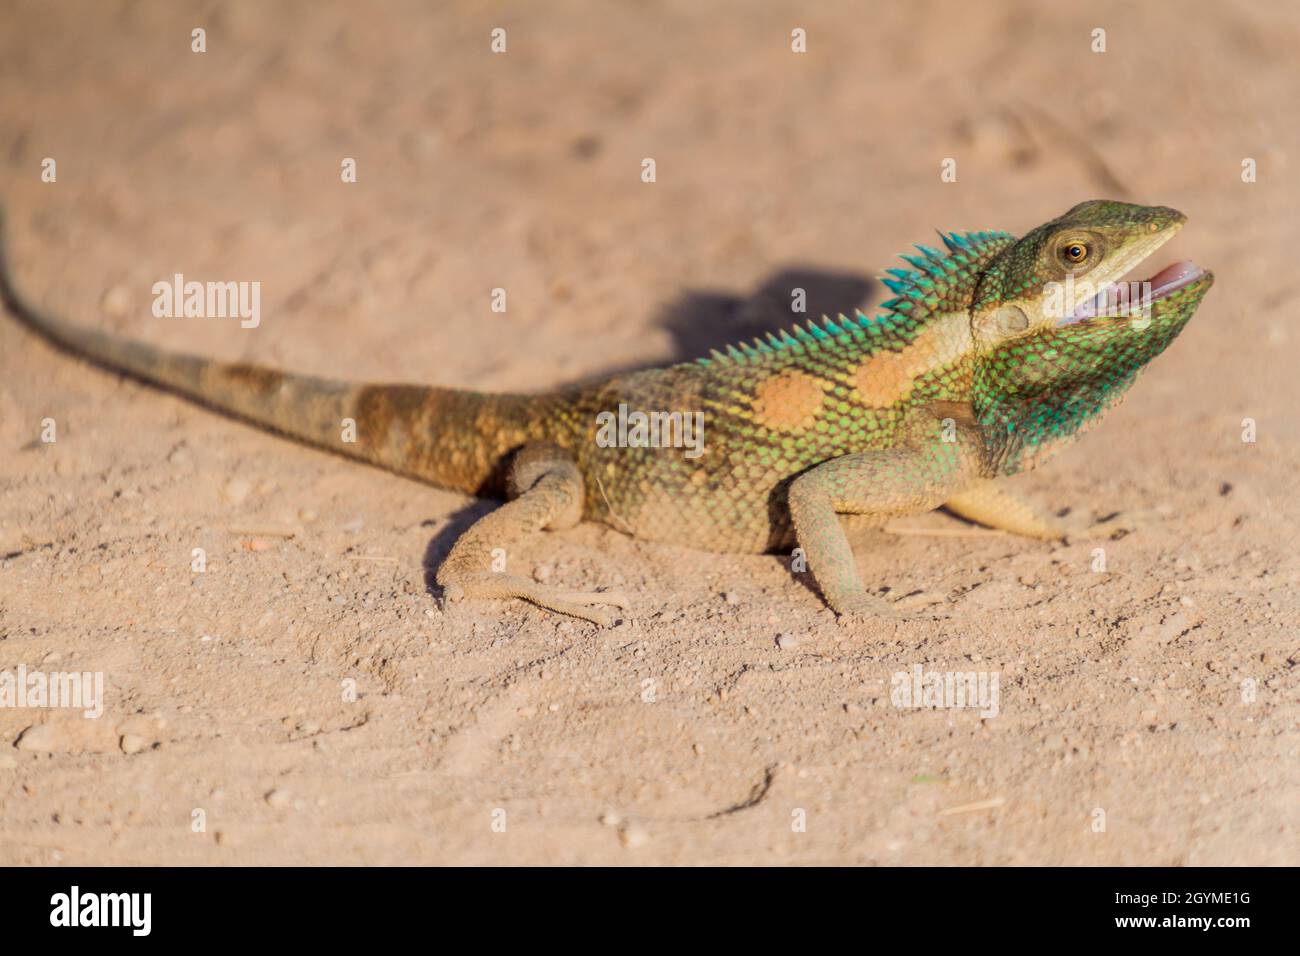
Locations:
{"points": [[788, 401], [887, 377]]}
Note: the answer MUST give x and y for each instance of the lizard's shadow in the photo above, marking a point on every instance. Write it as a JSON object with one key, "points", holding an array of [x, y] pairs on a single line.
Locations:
{"points": [[700, 320]]}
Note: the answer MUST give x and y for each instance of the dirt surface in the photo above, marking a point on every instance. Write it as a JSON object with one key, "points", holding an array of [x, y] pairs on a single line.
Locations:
{"points": [[1148, 712]]}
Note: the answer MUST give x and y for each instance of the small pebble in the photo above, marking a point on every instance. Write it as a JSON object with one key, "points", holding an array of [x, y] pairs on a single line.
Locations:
{"points": [[786, 641], [279, 798], [133, 743], [38, 737]]}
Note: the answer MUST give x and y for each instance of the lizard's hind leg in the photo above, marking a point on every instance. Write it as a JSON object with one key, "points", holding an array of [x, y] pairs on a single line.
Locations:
{"points": [[545, 489]]}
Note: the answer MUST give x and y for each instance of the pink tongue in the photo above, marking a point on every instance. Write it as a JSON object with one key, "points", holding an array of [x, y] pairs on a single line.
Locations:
{"points": [[1172, 275]]}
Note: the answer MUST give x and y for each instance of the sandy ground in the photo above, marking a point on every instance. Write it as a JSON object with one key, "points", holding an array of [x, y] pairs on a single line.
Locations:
{"points": [[1148, 713]]}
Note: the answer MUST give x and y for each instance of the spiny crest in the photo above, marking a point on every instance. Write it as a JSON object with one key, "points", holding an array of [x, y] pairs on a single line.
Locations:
{"points": [[800, 337], [916, 291], [933, 272]]}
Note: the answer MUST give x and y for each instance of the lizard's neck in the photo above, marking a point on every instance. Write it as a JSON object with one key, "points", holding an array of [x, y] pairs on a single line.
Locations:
{"points": [[1024, 429]]}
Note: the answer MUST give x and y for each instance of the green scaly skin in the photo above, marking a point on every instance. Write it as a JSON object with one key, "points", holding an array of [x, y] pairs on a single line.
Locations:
{"points": [[970, 373]]}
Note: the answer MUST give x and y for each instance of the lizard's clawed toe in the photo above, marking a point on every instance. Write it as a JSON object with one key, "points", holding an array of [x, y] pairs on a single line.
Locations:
{"points": [[579, 604], [867, 609], [1115, 526]]}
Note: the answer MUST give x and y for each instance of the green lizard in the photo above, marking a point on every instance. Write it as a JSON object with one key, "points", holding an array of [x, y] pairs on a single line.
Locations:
{"points": [[994, 354]]}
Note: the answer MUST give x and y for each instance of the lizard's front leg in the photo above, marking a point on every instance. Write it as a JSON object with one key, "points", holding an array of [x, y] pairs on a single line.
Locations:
{"points": [[545, 488], [882, 484]]}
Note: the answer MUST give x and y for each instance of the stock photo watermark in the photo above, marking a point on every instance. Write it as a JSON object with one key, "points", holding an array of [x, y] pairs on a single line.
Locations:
{"points": [[920, 689], [58, 690], [631, 428], [179, 299]]}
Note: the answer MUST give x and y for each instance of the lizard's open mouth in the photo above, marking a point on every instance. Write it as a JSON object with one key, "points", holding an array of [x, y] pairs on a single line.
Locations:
{"points": [[1125, 298]]}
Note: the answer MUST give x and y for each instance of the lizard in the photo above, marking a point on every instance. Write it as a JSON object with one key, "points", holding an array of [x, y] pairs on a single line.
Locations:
{"points": [[993, 354]]}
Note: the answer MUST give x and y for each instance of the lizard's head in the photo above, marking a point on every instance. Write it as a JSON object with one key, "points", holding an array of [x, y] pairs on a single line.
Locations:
{"points": [[1060, 332]]}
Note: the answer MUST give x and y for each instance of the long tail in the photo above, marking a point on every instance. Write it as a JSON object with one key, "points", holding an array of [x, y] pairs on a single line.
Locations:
{"points": [[451, 438]]}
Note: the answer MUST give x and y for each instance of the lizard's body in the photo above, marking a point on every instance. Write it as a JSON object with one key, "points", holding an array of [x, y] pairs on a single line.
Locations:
{"points": [[963, 378]]}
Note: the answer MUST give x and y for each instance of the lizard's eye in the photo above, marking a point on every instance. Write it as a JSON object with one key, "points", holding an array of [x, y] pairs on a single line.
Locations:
{"points": [[1075, 253]]}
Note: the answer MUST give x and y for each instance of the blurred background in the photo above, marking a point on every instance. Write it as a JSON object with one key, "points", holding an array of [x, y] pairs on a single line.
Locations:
{"points": [[522, 169]]}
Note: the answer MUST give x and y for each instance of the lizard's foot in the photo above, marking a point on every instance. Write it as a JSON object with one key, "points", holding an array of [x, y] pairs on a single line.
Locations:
{"points": [[994, 506], [581, 604], [864, 605], [866, 608]]}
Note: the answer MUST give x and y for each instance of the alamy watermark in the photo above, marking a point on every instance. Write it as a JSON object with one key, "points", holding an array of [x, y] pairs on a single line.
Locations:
{"points": [[1111, 300], [179, 299], [74, 690], [75, 908], [638, 429], [946, 690]]}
